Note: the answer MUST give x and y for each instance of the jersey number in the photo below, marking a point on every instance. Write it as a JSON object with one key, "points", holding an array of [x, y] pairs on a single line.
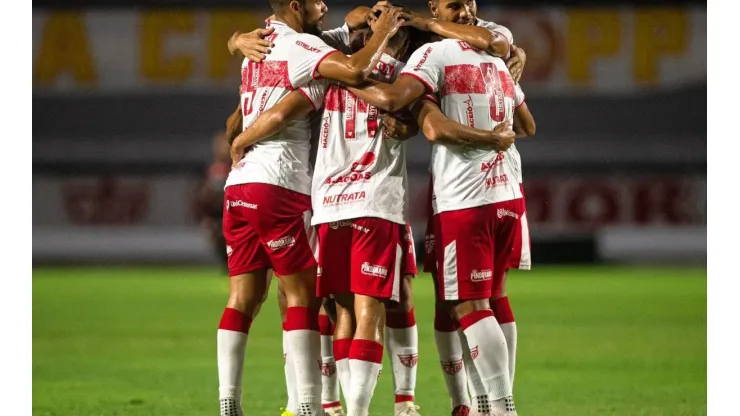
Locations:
{"points": [[499, 85]]}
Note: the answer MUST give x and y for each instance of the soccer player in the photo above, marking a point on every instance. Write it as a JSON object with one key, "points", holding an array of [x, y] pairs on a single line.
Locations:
{"points": [[267, 204], [475, 195]]}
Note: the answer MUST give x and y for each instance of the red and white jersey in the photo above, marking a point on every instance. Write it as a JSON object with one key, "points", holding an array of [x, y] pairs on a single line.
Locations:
{"points": [[474, 89], [281, 160], [358, 172], [512, 152]]}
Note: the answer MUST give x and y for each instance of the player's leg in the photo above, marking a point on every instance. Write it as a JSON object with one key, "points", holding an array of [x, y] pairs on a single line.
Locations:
{"points": [[283, 225], [329, 380], [505, 317], [465, 246], [291, 408], [248, 285], [402, 342], [376, 278], [334, 261], [401, 335]]}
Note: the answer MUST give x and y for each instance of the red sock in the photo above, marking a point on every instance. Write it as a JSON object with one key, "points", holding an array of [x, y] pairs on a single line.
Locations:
{"points": [[234, 320], [502, 310]]}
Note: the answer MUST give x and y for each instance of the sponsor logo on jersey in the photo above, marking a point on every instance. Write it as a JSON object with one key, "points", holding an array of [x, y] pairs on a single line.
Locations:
{"points": [[344, 198], [239, 203], [423, 59], [482, 275], [325, 125], [374, 270], [469, 111], [283, 242], [386, 70], [353, 177], [307, 46], [487, 166], [497, 180], [364, 162], [341, 224], [502, 212]]}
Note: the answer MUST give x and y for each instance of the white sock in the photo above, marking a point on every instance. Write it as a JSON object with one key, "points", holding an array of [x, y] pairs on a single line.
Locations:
{"points": [[231, 340], [329, 379], [490, 357], [365, 359], [474, 382], [403, 350], [292, 405], [305, 345], [341, 355], [450, 352], [509, 331]]}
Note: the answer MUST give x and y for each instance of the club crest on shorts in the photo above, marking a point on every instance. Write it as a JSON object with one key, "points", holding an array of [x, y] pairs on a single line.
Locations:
{"points": [[452, 367], [409, 360]]}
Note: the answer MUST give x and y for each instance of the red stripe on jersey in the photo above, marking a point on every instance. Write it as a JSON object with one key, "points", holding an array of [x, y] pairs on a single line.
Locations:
{"points": [[508, 84], [273, 74], [350, 116], [372, 120], [463, 79], [334, 100]]}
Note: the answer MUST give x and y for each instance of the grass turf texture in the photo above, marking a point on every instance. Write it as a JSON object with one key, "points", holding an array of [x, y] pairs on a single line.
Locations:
{"points": [[592, 341]]}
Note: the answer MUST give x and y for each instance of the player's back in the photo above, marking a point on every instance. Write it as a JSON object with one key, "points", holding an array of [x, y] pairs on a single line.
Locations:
{"points": [[358, 172], [476, 90], [283, 159]]}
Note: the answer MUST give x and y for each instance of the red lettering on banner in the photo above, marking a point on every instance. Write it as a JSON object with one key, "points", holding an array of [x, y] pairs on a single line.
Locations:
{"points": [[106, 202]]}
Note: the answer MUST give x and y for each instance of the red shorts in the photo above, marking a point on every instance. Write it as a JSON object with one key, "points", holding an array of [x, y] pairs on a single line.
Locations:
{"points": [[521, 255], [408, 267], [266, 226], [361, 256], [474, 248]]}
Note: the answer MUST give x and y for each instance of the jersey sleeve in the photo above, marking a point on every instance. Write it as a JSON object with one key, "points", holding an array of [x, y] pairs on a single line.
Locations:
{"points": [[503, 30], [519, 96], [315, 91], [306, 55], [337, 38], [427, 65]]}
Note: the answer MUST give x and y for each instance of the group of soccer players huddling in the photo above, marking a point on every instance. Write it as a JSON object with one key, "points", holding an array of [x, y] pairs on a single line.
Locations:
{"points": [[318, 195]]}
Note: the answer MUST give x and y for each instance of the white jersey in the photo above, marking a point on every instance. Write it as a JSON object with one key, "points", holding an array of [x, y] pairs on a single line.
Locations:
{"points": [[358, 172], [281, 160], [474, 89], [494, 27]]}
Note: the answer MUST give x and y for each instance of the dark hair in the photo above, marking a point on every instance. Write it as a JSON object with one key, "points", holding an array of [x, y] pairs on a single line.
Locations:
{"points": [[278, 6]]}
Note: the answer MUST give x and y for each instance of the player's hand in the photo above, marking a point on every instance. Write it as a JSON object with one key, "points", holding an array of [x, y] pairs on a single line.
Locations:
{"points": [[252, 45], [237, 154], [389, 22], [399, 126], [516, 62], [375, 11], [417, 22], [504, 136]]}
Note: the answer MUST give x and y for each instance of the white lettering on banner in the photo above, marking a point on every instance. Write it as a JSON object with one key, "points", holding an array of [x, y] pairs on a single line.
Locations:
{"points": [[374, 270], [479, 276], [568, 50]]}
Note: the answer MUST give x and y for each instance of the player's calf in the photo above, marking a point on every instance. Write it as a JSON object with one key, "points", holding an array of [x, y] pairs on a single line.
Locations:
{"points": [[329, 380], [366, 353], [402, 343], [246, 294]]}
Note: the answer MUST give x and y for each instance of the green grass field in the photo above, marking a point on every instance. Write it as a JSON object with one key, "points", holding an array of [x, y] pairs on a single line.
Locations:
{"points": [[592, 341]]}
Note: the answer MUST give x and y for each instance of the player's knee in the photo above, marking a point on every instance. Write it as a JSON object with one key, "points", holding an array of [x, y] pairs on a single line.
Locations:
{"points": [[329, 308], [464, 308]]}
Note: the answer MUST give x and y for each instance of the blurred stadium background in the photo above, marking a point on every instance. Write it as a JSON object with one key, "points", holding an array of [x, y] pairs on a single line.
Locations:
{"points": [[130, 96]]}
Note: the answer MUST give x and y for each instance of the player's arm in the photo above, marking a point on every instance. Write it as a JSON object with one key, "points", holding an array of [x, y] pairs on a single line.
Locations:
{"points": [[478, 37], [391, 97], [439, 129], [355, 69], [294, 105], [234, 124], [524, 124]]}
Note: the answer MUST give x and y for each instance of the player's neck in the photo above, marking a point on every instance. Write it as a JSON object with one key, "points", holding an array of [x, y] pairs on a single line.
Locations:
{"points": [[291, 22]]}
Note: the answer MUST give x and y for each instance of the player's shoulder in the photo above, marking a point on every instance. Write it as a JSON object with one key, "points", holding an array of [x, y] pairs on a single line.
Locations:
{"points": [[495, 27], [311, 43]]}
